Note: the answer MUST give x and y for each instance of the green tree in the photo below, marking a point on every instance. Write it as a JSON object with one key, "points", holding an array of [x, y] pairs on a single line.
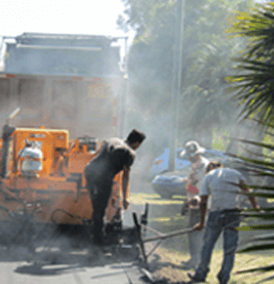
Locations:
{"points": [[254, 85], [206, 61]]}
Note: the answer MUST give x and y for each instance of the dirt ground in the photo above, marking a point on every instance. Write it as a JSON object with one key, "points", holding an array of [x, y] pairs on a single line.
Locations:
{"points": [[165, 263]]}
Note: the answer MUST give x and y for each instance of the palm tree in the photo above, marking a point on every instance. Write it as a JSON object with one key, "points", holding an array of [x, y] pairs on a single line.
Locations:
{"points": [[263, 166], [254, 85], [254, 88]]}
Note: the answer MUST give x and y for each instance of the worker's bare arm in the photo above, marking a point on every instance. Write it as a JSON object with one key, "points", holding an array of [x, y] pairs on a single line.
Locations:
{"points": [[203, 209], [125, 183], [252, 199]]}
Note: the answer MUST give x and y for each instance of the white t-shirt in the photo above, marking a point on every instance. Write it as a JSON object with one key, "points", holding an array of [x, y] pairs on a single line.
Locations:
{"points": [[222, 183]]}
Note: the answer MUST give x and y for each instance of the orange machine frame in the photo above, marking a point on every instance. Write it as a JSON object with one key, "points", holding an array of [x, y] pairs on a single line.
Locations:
{"points": [[62, 199]]}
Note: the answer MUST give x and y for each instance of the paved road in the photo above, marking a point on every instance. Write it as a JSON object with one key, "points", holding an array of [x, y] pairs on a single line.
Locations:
{"points": [[57, 264], [22, 272], [68, 260]]}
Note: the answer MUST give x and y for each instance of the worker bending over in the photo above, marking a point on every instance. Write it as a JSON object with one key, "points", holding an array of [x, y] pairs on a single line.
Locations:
{"points": [[114, 156]]}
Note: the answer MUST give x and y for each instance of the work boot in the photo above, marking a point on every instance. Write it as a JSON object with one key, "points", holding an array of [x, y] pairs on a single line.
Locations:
{"points": [[187, 265], [195, 279], [221, 281]]}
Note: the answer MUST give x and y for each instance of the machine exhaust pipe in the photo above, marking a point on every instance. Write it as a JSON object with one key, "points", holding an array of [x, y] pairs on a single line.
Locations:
{"points": [[13, 114]]}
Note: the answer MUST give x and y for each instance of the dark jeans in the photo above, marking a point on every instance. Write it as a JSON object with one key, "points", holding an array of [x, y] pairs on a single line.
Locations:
{"points": [[100, 191], [219, 221], [195, 238]]}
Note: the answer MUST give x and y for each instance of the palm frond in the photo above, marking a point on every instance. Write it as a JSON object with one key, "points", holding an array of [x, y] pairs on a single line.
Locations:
{"points": [[258, 194], [265, 280], [262, 187], [263, 268], [256, 248], [256, 143], [270, 209], [259, 216], [254, 161], [266, 237], [254, 86], [256, 227]]}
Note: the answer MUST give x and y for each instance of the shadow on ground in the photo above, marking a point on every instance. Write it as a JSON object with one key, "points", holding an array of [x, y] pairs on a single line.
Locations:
{"points": [[59, 262], [58, 251]]}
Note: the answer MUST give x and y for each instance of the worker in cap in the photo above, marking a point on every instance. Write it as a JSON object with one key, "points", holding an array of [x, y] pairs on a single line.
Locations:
{"points": [[193, 152], [192, 149]]}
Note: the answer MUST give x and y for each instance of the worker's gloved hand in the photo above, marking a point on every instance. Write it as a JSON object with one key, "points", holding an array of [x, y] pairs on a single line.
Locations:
{"points": [[125, 204]]}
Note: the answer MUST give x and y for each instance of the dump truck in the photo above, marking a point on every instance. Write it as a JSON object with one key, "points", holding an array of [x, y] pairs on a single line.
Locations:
{"points": [[72, 82], [65, 94]]}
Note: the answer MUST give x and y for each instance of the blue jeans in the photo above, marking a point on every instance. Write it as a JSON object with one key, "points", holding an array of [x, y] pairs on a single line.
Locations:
{"points": [[218, 221]]}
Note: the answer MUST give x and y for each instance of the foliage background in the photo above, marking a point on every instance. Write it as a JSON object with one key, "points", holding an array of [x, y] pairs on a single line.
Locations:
{"points": [[207, 52]]}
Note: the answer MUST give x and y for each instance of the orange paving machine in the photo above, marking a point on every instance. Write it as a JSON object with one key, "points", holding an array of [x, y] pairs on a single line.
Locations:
{"points": [[53, 180]]}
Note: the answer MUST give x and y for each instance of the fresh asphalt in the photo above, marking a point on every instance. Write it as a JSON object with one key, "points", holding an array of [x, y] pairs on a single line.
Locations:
{"points": [[60, 261]]}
